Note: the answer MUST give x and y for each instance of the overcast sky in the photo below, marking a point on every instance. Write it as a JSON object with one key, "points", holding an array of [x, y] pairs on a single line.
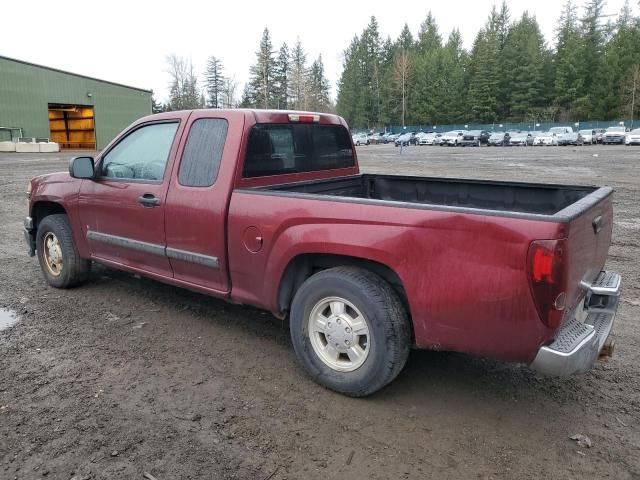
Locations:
{"points": [[127, 41]]}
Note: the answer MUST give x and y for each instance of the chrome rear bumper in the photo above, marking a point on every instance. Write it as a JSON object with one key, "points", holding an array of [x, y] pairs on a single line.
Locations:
{"points": [[578, 343]]}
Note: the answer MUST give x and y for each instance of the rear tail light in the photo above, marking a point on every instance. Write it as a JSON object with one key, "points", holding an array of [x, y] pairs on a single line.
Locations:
{"points": [[547, 276], [296, 117]]}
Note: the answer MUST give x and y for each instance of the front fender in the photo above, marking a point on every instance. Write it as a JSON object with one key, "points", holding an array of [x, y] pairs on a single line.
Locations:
{"points": [[61, 190]]}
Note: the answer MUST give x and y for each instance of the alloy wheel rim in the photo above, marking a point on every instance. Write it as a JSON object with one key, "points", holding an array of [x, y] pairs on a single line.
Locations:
{"points": [[52, 253], [339, 334]]}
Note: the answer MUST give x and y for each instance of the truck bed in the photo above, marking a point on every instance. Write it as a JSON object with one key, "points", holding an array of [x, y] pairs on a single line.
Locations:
{"points": [[507, 198]]}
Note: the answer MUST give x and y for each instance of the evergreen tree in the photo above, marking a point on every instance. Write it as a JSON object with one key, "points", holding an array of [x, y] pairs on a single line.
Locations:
{"points": [[348, 84], [281, 78], [319, 89], [428, 37], [621, 53], [405, 40], [568, 81], [247, 98], [371, 73], [524, 59], [593, 36], [261, 84], [483, 74], [500, 21], [214, 82], [155, 106], [298, 78], [452, 94]]}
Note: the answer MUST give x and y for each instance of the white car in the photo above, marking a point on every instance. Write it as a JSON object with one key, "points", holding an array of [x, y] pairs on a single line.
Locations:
{"points": [[452, 138], [429, 139], [588, 136], [559, 132], [633, 137], [546, 138], [360, 139]]}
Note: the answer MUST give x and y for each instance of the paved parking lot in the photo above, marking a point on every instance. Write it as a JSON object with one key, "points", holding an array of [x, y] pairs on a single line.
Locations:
{"points": [[125, 375]]}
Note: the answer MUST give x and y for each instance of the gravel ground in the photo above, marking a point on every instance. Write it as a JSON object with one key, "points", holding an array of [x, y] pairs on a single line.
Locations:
{"points": [[125, 375]]}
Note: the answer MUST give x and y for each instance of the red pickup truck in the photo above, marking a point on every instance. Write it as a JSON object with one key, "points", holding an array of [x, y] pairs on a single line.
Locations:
{"points": [[269, 208]]}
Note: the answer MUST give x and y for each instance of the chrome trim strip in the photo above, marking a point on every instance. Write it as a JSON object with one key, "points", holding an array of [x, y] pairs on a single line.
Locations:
{"points": [[154, 249], [125, 242], [197, 258]]}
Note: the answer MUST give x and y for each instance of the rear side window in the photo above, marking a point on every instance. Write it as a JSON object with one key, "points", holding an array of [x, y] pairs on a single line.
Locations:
{"points": [[277, 149], [203, 152]]}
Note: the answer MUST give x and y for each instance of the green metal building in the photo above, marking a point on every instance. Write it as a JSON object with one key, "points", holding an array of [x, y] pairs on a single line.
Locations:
{"points": [[77, 111]]}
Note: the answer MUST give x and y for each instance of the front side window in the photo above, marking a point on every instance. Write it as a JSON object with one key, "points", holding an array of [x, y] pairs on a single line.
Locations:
{"points": [[141, 155], [278, 149]]}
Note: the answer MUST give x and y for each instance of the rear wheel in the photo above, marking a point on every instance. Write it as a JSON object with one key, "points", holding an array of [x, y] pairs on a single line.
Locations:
{"points": [[60, 262], [349, 330]]}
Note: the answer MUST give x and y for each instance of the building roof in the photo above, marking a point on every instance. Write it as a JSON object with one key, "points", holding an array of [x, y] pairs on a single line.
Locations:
{"points": [[71, 73]]}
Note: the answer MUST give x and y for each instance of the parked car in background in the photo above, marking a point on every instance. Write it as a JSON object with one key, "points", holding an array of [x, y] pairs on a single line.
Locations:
{"points": [[522, 139], [588, 136], [535, 134], [474, 138], [404, 139], [599, 133], [452, 138], [374, 139], [559, 132], [614, 135], [360, 139], [496, 139], [547, 138], [429, 138], [633, 137], [391, 137], [571, 138], [413, 140]]}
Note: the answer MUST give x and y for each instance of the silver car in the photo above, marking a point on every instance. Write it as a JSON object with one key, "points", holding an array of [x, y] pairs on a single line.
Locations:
{"points": [[588, 136]]}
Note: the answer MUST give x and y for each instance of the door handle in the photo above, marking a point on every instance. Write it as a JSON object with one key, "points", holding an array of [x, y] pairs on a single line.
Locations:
{"points": [[148, 200]]}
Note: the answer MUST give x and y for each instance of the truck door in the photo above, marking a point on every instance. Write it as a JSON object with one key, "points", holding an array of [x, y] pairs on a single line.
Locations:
{"points": [[123, 208], [198, 200]]}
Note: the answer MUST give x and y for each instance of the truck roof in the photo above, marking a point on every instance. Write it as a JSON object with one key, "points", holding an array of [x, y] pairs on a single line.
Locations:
{"points": [[259, 115]]}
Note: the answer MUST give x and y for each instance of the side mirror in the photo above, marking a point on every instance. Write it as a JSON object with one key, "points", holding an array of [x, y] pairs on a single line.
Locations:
{"points": [[82, 167]]}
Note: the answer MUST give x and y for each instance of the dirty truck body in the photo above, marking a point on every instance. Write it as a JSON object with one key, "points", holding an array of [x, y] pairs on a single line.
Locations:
{"points": [[269, 208]]}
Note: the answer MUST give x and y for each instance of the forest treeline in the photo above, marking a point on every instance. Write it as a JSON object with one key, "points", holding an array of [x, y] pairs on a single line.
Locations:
{"points": [[509, 74]]}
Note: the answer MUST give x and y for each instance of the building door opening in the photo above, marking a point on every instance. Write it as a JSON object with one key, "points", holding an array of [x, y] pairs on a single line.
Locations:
{"points": [[72, 126]]}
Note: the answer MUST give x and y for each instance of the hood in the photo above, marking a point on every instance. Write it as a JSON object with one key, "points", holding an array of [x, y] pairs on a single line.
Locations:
{"points": [[51, 178]]}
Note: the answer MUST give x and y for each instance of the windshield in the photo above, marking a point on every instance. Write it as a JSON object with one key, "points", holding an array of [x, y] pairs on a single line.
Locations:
{"points": [[616, 129], [276, 149], [636, 131], [497, 135], [557, 130], [585, 132]]}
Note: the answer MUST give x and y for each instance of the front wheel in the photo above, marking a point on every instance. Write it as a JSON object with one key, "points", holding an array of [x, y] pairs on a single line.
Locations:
{"points": [[60, 262], [350, 331]]}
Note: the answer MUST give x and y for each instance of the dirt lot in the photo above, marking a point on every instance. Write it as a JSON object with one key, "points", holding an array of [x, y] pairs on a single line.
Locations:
{"points": [[124, 375]]}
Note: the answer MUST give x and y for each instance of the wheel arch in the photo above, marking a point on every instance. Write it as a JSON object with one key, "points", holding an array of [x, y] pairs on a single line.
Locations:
{"points": [[304, 265], [44, 208]]}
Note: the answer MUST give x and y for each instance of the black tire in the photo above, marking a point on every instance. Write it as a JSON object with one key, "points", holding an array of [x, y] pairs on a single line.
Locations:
{"points": [[74, 269], [386, 317]]}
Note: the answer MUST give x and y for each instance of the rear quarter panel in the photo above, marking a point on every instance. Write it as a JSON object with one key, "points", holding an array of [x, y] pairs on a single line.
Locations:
{"points": [[465, 275]]}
